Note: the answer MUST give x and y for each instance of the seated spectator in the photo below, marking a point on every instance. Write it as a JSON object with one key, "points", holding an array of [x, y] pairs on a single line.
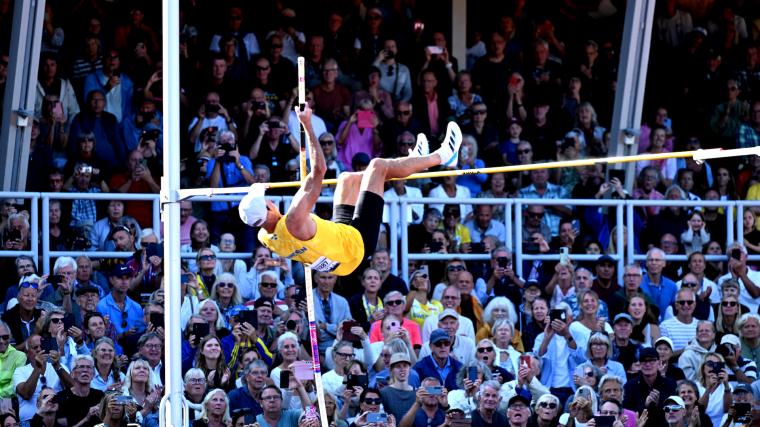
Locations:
{"points": [[107, 375], [10, 360], [598, 354], [254, 377], [713, 383], [554, 346], [540, 188], [648, 180], [124, 313], [418, 305], [451, 298], [464, 398], [587, 322], [100, 236], [83, 212], [332, 99], [432, 365], [392, 130], [367, 307], [274, 413], [80, 403], [50, 83], [649, 378], [28, 380], [395, 76], [215, 410], [483, 225], [462, 348], [747, 278], [656, 286], [274, 146], [356, 136], [463, 97], [143, 128], [137, 178], [211, 115], [486, 134]]}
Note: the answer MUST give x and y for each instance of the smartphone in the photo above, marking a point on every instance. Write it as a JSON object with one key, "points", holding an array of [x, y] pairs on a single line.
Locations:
{"points": [[736, 254], [85, 169], [154, 249], [525, 360], [357, 381], [284, 379], [250, 317], [419, 25], [200, 330], [377, 417], [668, 123], [68, 321], [124, 399], [435, 246], [718, 367], [557, 315], [478, 248], [157, 320], [271, 262], [604, 420], [472, 373], [347, 334], [49, 344], [395, 327], [436, 390], [503, 261], [300, 296], [365, 119], [435, 50], [564, 255], [303, 370], [56, 280], [185, 278], [617, 173]]}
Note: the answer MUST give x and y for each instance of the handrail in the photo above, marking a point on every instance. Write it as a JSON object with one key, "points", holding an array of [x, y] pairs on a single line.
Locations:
{"points": [[398, 239]]}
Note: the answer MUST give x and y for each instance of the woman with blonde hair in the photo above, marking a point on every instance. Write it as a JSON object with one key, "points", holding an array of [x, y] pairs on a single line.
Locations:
{"points": [[216, 410], [209, 310], [139, 383], [713, 386], [225, 293], [497, 309], [587, 321], [727, 319]]}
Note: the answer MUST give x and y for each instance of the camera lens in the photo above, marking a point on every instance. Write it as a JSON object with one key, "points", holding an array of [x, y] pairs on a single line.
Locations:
{"points": [[291, 325]]}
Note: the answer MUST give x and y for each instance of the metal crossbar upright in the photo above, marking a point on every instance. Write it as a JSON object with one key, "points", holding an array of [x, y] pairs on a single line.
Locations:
{"points": [[307, 267]]}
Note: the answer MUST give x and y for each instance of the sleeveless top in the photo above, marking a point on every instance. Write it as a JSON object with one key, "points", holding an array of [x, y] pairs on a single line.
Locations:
{"points": [[335, 248]]}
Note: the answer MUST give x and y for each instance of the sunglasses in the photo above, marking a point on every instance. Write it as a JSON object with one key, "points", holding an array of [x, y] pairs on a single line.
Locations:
{"points": [[550, 405], [32, 285], [485, 349], [729, 303], [268, 285], [207, 257], [443, 344], [5, 337], [479, 112], [225, 285], [406, 143], [691, 284], [56, 320], [672, 408], [404, 112], [371, 401], [262, 68], [276, 46], [685, 302], [526, 151], [424, 276], [394, 302], [589, 374], [326, 142], [455, 268]]}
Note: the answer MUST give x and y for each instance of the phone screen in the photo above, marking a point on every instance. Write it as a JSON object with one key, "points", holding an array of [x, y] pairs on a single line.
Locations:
{"points": [[284, 379], [365, 119], [472, 373]]}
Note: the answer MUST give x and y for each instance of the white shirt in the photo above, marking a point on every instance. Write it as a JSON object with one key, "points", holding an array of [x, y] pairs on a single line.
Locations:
{"points": [[466, 329], [249, 40], [744, 296], [462, 192], [417, 208], [681, 333], [27, 408]]}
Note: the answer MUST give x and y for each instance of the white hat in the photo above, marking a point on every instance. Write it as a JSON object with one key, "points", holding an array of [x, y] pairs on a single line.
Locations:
{"points": [[730, 339], [253, 207], [677, 400]]}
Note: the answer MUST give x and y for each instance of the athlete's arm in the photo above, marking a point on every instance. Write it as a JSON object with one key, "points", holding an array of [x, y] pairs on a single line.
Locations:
{"points": [[298, 221]]}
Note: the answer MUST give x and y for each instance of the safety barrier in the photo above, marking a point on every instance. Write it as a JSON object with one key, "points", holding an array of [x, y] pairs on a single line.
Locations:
{"points": [[398, 236]]}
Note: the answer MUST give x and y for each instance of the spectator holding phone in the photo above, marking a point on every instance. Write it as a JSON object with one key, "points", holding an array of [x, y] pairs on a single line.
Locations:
{"points": [[359, 134], [748, 279], [428, 409], [741, 406], [43, 370], [418, 302], [713, 386]]}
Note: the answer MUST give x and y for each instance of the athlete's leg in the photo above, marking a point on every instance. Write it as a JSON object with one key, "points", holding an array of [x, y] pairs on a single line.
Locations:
{"points": [[345, 197], [380, 170]]}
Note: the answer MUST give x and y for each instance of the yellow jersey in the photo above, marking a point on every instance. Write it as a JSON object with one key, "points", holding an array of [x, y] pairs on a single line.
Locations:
{"points": [[335, 248]]}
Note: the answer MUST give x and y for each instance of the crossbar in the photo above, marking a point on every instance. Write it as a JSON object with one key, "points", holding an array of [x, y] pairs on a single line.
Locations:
{"points": [[698, 155]]}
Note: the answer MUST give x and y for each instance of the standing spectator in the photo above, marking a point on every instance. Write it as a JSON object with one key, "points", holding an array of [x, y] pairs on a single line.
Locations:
{"points": [[137, 178], [486, 134], [728, 115], [282, 59], [115, 85], [247, 44], [747, 278], [49, 82], [748, 134], [554, 346], [137, 28], [80, 403], [395, 77], [398, 397], [125, 314], [43, 369], [431, 109], [211, 115], [488, 74], [108, 142], [356, 136], [229, 169], [682, 328], [274, 146]]}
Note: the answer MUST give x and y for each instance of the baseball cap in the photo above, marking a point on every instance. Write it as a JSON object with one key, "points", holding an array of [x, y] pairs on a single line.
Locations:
{"points": [[665, 340], [399, 357], [120, 270], [742, 388], [116, 229], [648, 353], [263, 302], [518, 398], [730, 339], [605, 258], [677, 400], [253, 206], [86, 289], [449, 312], [623, 316], [439, 335]]}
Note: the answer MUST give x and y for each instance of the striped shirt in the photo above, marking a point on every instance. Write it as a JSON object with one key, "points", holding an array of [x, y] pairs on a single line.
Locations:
{"points": [[680, 333]]}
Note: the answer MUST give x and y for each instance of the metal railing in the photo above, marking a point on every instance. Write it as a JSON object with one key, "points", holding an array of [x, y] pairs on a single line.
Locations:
{"points": [[398, 237]]}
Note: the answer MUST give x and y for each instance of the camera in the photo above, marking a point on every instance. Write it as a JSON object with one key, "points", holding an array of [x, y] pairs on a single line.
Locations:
{"points": [[211, 108], [273, 124], [258, 105], [389, 54], [13, 234], [79, 241], [85, 169], [150, 135], [291, 325], [227, 147]]}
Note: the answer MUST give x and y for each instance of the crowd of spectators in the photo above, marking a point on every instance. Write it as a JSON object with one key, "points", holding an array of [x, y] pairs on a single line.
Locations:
{"points": [[459, 343]]}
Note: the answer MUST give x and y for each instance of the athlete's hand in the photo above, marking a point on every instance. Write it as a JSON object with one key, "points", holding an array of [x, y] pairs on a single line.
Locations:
{"points": [[303, 116]]}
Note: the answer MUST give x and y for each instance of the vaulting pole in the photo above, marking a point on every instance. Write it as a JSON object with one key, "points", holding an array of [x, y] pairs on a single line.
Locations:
{"points": [[307, 267]]}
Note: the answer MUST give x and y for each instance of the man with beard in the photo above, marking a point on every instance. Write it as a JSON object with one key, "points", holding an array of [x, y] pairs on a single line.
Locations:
{"points": [[80, 404]]}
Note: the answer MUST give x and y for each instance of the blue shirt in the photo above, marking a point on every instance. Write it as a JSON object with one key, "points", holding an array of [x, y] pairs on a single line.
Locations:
{"points": [[231, 177], [289, 418], [133, 311], [241, 398], [663, 295]]}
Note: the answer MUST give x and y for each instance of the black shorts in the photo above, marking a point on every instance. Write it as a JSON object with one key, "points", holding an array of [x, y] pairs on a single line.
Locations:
{"points": [[366, 217]]}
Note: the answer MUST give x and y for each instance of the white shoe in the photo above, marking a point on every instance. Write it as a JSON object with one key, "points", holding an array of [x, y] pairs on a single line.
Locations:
{"points": [[449, 150], [421, 148]]}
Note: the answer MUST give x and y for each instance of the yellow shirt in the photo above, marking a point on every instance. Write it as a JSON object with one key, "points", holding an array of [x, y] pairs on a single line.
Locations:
{"points": [[335, 248], [420, 312]]}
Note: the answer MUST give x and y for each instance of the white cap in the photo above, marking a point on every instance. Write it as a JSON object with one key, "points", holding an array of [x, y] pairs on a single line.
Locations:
{"points": [[253, 207], [730, 339]]}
